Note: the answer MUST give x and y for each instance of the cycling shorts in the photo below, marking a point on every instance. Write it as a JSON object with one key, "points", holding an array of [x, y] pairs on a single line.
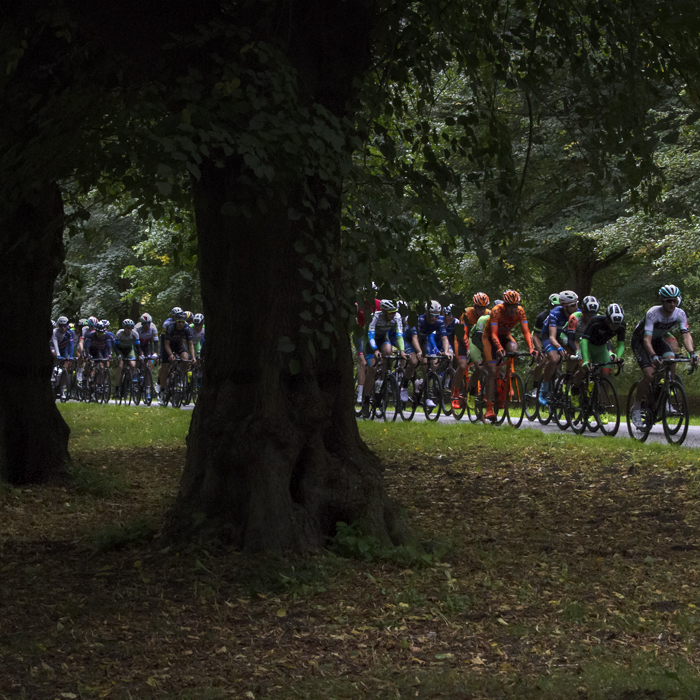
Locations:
{"points": [[661, 348], [125, 353], [98, 354], [598, 354], [489, 351], [175, 347], [476, 355]]}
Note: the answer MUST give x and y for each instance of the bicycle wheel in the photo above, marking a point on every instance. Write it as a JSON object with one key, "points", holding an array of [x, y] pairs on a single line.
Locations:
{"points": [[124, 386], [178, 389], [458, 413], [561, 402], [409, 402], [544, 411], [606, 407], [376, 401], [107, 387], [531, 403], [147, 388], [675, 414], [577, 408], [390, 399], [476, 402], [447, 382], [639, 431], [515, 405], [499, 405], [432, 403]]}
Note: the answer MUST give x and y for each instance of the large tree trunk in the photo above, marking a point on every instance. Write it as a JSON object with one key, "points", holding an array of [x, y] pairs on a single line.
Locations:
{"points": [[33, 434], [274, 456]]}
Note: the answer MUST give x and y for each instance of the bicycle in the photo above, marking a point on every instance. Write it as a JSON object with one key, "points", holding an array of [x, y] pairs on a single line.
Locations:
{"points": [[509, 401], [143, 386], [100, 381], [175, 385], [385, 394], [423, 391], [666, 402], [596, 405]]}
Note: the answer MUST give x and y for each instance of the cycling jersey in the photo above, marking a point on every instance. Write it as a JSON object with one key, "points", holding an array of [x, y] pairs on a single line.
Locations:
{"points": [[178, 337], [424, 328], [657, 323], [502, 324], [540, 322], [595, 338], [380, 327], [575, 328], [126, 345], [99, 347], [477, 336], [148, 337], [63, 343], [197, 339]]}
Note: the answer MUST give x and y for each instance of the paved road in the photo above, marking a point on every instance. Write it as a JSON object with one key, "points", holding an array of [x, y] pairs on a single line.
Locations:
{"points": [[656, 435]]}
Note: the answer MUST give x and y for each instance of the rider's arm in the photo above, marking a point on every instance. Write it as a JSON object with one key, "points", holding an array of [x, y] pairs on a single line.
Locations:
{"points": [[71, 346], [191, 346], [553, 338], [583, 347], [399, 333], [526, 332], [688, 342], [166, 344]]}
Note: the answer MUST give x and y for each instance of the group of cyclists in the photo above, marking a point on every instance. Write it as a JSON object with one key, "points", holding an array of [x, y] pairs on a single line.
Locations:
{"points": [[570, 333], [181, 337]]}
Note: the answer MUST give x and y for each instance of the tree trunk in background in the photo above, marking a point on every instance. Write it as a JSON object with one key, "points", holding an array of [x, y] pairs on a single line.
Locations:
{"points": [[33, 434], [274, 458]]}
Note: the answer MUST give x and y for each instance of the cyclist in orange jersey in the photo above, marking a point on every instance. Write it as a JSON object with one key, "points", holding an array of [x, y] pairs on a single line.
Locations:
{"points": [[461, 345], [498, 340]]}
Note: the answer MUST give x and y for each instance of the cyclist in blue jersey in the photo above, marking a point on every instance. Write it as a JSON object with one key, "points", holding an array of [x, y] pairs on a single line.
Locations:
{"points": [[176, 343], [384, 331], [98, 343], [62, 344]]}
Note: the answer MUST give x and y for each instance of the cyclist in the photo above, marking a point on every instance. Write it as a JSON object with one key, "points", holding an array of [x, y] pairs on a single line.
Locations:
{"points": [[99, 343], [365, 309], [468, 321], [126, 345], [552, 338], [62, 340], [497, 339], [428, 323], [148, 335], [385, 330], [575, 328], [176, 343], [197, 333], [537, 342], [650, 345], [599, 331]]}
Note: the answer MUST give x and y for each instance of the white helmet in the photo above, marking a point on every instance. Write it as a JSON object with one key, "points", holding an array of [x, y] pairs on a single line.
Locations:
{"points": [[568, 297], [590, 304], [387, 305], [615, 314], [434, 308]]}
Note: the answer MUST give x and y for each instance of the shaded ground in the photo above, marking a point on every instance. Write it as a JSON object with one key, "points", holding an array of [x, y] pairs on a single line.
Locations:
{"points": [[545, 567]]}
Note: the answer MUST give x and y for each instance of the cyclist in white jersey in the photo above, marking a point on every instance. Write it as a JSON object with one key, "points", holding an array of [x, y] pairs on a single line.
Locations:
{"points": [[650, 346]]}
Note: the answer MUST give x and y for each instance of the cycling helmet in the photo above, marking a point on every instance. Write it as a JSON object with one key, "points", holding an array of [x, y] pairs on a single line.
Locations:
{"points": [[567, 297], [511, 297], [82, 322], [554, 299], [387, 305], [189, 316], [670, 291], [497, 302], [93, 321], [480, 299], [128, 323], [590, 304], [198, 319], [100, 327], [615, 314], [447, 310], [433, 308], [62, 321], [175, 311], [180, 316], [146, 318]]}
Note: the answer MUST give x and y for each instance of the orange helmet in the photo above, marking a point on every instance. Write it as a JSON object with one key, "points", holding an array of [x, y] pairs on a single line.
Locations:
{"points": [[511, 297], [480, 299]]}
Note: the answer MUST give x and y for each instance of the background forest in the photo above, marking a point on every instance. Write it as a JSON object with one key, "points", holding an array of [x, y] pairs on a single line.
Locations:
{"points": [[539, 206]]}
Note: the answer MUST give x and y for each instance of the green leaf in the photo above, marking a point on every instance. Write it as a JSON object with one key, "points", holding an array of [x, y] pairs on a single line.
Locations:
{"points": [[285, 344]]}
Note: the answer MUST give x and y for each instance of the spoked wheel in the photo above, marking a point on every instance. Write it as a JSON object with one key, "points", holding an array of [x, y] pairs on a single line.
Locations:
{"points": [[476, 400], [125, 387], [675, 414], [544, 411], [458, 413], [531, 404], [178, 389], [561, 402], [578, 407], [606, 407], [390, 397], [640, 429], [408, 404], [499, 404], [432, 397], [147, 387], [515, 403], [447, 382]]}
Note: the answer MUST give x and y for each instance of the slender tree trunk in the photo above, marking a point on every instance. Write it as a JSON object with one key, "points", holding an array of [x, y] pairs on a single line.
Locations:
{"points": [[33, 434]]}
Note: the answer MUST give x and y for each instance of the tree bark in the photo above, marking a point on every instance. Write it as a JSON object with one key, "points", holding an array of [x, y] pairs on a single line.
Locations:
{"points": [[33, 434], [274, 456]]}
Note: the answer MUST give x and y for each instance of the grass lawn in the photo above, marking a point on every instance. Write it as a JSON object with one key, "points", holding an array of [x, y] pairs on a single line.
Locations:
{"points": [[549, 567]]}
